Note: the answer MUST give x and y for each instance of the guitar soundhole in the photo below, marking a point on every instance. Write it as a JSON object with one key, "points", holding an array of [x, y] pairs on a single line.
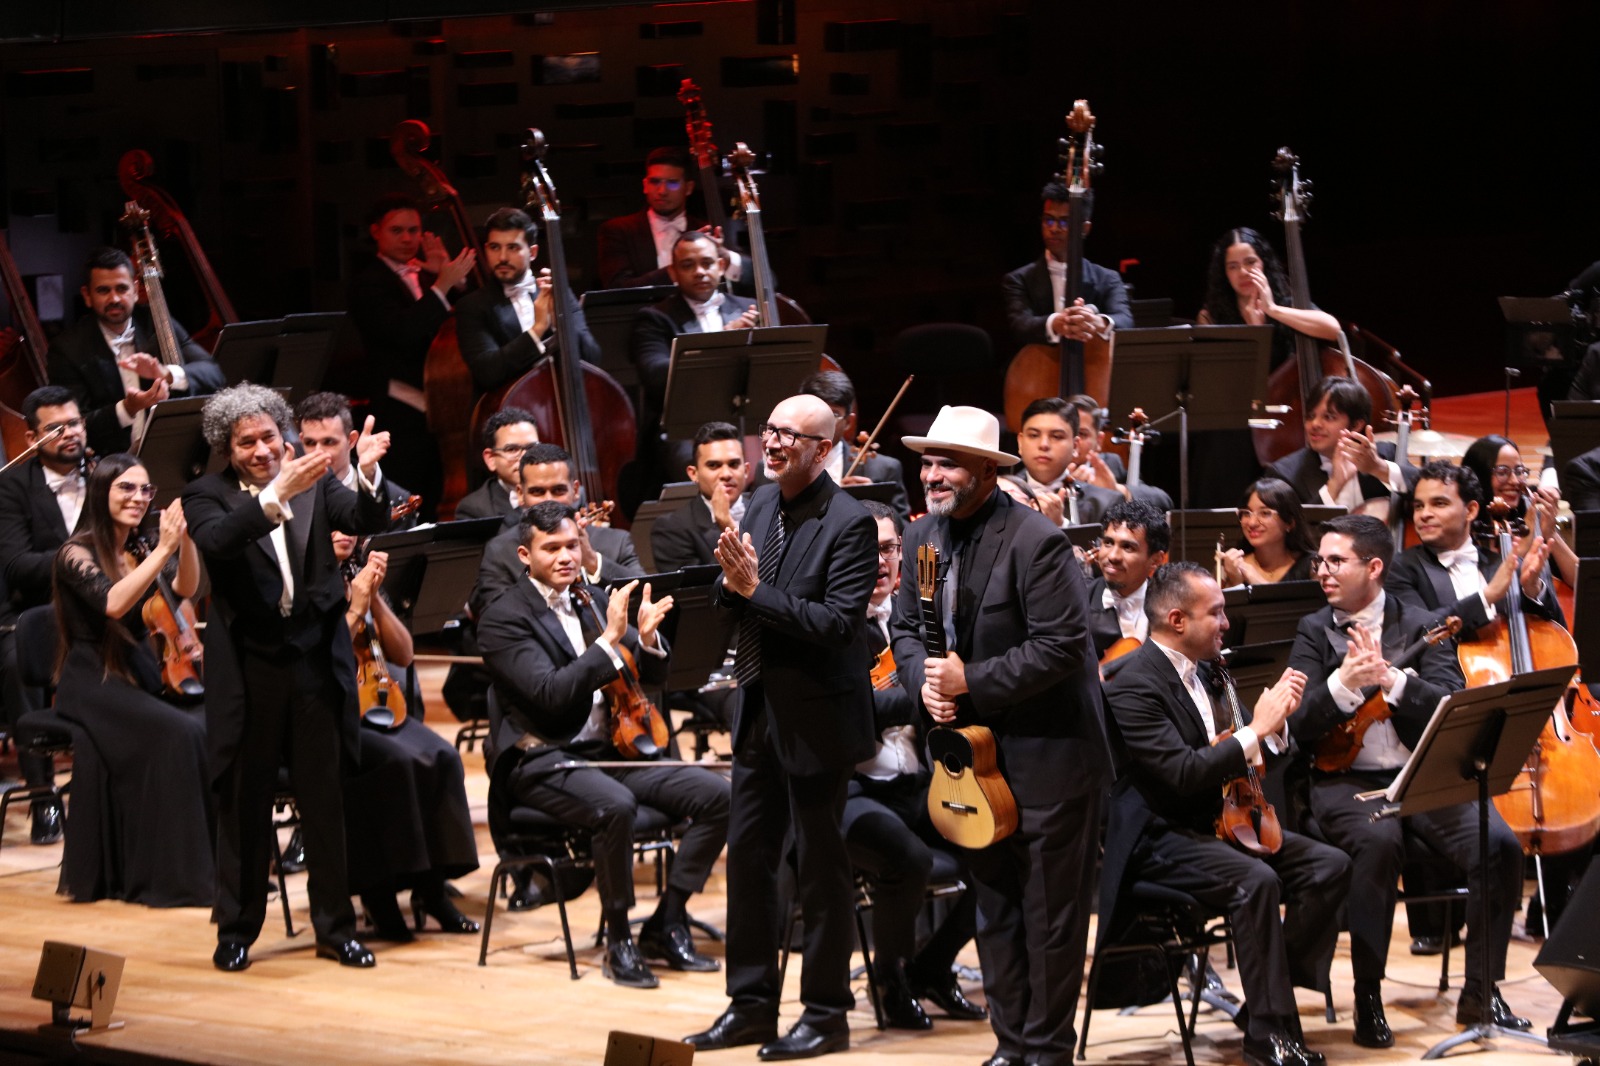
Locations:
{"points": [[953, 765]]}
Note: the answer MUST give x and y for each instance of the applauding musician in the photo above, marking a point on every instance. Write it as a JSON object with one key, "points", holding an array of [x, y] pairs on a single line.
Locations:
{"points": [[549, 665], [328, 428], [1022, 664], [688, 536], [1340, 464], [1133, 543], [1034, 294], [637, 249], [1246, 286]]}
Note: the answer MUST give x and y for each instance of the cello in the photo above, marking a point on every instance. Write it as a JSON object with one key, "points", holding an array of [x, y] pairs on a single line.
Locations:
{"points": [[1553, 806], [573, 403], [445, 377], [133, 169], [1290, 386], [1070, 367], [22, 355]]}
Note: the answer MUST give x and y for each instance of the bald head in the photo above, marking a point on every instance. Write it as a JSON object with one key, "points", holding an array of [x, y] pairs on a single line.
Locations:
{"points": [[797, 442]]}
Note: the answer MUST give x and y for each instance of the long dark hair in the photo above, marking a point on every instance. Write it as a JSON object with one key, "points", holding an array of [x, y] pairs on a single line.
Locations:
{"points": [[99, 537], [1281, 497], [1482, 458], [1222, 303]]}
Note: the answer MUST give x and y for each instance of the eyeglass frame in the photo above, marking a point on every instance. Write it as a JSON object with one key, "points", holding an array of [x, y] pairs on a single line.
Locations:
{"points": [[778, 433], [132, 488], [1318, 560]]}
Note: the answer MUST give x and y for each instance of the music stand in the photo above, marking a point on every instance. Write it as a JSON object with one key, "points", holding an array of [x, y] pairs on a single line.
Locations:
{"points": [[719, 377], [1262, 614], [1539, 329], [1209, 377], [675, 496], [173, 448], [610, 315], [700, 637], [1084, 536], [1574, 429], [432, 568], [1205, 525], [1473, 748], [290, 354]]}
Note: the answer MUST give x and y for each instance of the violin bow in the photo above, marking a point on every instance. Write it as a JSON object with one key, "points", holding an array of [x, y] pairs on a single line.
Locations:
{"points": [[862, 452]]}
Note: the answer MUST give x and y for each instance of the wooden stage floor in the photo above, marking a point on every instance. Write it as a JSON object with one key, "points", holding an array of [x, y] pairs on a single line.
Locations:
{"points": [[428, 1002]]}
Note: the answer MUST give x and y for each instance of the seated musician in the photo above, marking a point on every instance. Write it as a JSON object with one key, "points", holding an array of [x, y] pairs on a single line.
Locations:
{"points": [[143, 828], [549, 664], [326, 427], [506, 327], [1246, 286], [111, 360], [1341, 465], [1274, 545], [1501, 475], [697, 267], [687, 536], [1168, 707], [835, 389], [407, 820], [1105, 469], [1449, 575], [1345, 649], [1034, 294], [506, 435], [637, 249], [1133, 543], [1048, 445], [888, 833], [546, 474]]}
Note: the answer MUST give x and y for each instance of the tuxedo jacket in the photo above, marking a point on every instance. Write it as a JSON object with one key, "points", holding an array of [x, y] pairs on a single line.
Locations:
{"points": [[1021, 628], [1319, 649], [628, 254], [31, 529], [1580, 481], [488, 500], [1303, 471], [541, 685], [1419, 580], [233, 535], [80, 359], [396, 329], [815, 673], [1030, 300], [501, 569], [651, 348], [498, 350], [685, 537], [1103, 627]]}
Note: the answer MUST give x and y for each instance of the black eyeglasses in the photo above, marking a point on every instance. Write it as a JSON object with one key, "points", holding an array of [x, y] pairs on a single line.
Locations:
{"points": [[784, 435], [888, 548], [1335, 562]]}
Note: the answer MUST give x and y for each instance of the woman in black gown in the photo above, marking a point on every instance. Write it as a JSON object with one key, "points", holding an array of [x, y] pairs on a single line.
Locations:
{"points": [[407, 822], [142, 823]]}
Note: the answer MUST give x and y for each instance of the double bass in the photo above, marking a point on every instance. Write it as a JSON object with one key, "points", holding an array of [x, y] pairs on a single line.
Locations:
{"points": [[22, 355], [1070, 367], [1290, 386], [147, 265]]}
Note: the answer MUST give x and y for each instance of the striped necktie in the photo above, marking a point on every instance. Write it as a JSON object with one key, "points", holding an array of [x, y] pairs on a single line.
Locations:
{"points": [[747, 659]]}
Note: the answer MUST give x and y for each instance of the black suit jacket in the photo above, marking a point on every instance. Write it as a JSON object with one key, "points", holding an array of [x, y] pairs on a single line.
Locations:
{"points": [[1303, 471], [1580, 481], [31, 529], [685, 537], [396, 330], [489, 500], [651, 349], [501, 569], [80, 359], [1319, 649], [1021, 629], [1030, 301], [628, 251], [815, 673], [498, 350], [1419, 580], [541, 685], [231, 531]]}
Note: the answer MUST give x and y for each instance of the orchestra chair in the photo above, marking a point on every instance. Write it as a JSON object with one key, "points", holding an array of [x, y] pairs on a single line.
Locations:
{"points": [[39, 730], [285, 815]]}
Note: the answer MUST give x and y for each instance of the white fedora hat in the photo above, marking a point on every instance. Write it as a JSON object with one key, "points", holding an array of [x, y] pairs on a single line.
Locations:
{"points": [[964, 429]]}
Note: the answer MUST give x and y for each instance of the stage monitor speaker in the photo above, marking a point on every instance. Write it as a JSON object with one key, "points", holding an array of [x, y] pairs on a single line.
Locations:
{"points": [[71, 975], [634, 1049], [1570, 958]]}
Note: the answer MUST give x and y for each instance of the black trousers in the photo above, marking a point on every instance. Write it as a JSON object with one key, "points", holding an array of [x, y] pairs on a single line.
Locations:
{"points": [[1275, 954], [604, 802], [771, 808], [1377, 853], [293, 705]]}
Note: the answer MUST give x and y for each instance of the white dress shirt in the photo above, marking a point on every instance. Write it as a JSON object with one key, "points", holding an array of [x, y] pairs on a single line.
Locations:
{"points": [[1350, 496], [598, 725], [897, 746], [522, 295], [1465, 577], [1130, 611], [68, 490], [122, 345], [709, 313], [1380, 747]]}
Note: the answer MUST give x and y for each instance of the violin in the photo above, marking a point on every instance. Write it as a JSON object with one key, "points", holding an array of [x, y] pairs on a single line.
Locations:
{"points": [[638, 729], [1247, 820], [1338, 748], [884, 674], [172, 624], [1553, 805], [383, 705]]}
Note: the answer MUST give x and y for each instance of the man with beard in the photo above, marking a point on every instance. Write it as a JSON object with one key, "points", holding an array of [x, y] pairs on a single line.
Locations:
{"points": [[1020, 662], [688, 536], [505, 328], [1133, 543]]}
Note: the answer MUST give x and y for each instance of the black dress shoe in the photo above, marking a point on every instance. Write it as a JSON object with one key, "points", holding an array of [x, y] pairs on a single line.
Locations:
{"points": [[1372, 1028], [899, 1004], [945, 993], [735, 1029], [1469, 1011], [346, 953], [1433, 945], [672, 943], [624, 965], [998, 1059], [441, 910], [231, 957], [294, 856], [526, 893], [46, 821], [1280, 1050], [804, 1041]]}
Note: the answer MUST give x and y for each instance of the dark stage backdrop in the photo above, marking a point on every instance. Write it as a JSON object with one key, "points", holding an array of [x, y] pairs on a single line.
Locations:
{"points": [[1452, 145]]}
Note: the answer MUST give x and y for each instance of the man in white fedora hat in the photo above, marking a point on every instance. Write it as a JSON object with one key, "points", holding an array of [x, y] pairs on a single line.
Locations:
{"points": [[1020, 662]]}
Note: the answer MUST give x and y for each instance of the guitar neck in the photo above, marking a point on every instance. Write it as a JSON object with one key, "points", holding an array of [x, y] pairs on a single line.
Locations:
{"points": [[932, 629]]}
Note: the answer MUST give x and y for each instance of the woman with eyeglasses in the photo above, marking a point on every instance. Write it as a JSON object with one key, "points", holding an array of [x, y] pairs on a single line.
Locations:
{"points": [[1246, 286], [1275, 545], [141, 819], [1498, 463]]}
